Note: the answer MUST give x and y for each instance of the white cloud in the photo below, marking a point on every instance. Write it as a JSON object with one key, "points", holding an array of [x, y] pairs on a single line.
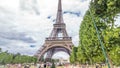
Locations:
{"points": [[117, 22], [19, 16], [61, 55], [12, 5]]}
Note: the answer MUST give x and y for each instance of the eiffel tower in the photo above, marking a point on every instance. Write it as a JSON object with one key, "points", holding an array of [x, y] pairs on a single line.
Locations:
{"points": [[58, 39]]}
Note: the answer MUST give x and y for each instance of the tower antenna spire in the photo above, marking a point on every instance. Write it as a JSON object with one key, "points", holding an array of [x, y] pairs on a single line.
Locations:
{"points": [[59, 18]]}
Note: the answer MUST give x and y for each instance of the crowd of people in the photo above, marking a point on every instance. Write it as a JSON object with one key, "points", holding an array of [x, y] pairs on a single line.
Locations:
{"points": [[38, 65], [42, 65], [48, 65], [14, 66], [20, 65]]}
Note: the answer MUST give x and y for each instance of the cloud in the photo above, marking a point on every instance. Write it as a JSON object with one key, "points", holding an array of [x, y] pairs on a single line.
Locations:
{"points": [[75, 13], [32, 46], [30, 6], [117, 20], [58, 56], [17, 36], [3, 41]]}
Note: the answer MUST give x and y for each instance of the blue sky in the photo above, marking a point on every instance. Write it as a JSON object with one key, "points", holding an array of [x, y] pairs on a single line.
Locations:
{"points": [[24, 24]]}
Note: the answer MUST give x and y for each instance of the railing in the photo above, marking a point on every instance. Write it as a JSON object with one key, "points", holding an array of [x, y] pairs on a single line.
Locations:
{"points": [[59, 25], [58, 38]]}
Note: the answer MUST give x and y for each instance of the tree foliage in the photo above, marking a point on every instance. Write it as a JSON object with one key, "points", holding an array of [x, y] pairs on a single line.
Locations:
{"points": [[89, 50], [73, 55], [8, 58], [53, 65]]}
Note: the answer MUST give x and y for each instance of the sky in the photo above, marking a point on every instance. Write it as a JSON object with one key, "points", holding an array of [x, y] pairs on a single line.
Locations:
{"points": [[24, 24]]}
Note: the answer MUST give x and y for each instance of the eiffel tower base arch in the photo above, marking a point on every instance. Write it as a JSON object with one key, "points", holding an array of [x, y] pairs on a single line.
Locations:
{"points": [[51, 47]]}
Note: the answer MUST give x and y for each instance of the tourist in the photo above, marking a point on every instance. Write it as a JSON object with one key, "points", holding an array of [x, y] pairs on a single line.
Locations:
{"points": [[8, 65], [38, 65], [19, 66], [26, 66], [44, 65], [97, 65], [83, 66]]}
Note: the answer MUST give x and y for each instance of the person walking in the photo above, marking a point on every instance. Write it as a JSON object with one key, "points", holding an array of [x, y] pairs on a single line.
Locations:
{"points": [[44, 65], [19, 66], [97, 65], [38, 65]]}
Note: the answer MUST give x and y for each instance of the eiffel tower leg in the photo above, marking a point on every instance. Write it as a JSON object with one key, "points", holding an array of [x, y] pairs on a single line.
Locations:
{"points": [[49, 55]]}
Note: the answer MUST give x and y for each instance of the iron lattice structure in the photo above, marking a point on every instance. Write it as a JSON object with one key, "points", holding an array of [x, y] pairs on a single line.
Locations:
{"points": [[58, 39]]}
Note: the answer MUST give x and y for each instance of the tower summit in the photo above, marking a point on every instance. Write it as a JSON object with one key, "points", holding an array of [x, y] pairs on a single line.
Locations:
{"points": [[58, 39], [59, 18], [59, 29]]}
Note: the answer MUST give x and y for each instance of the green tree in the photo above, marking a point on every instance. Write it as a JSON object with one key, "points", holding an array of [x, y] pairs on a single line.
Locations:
{"points": [[53, 65], [8, 58], [0, 50], [73, 56], [89, 49]]}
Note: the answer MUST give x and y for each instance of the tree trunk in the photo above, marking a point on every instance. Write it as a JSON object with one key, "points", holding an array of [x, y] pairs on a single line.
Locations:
{"points": [[110, 61]]}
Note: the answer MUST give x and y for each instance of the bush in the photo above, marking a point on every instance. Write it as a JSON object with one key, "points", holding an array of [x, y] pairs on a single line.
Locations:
{"points": [[53, 65]]}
